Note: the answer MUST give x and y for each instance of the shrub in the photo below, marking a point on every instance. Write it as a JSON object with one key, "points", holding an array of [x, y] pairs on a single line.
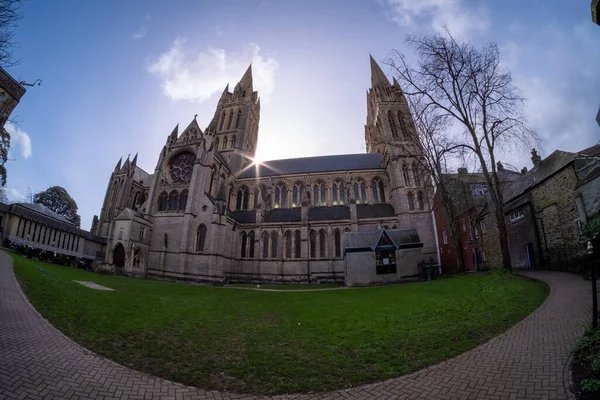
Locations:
{"points": [[589, 339], [590, 385]]}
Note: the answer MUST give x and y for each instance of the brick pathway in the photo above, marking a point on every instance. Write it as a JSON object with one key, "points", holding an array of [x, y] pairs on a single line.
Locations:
{"points": [[526, 362]]}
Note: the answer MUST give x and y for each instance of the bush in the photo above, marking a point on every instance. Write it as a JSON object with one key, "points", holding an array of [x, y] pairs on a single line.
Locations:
{"points": [[590, 385], [590, 338]]}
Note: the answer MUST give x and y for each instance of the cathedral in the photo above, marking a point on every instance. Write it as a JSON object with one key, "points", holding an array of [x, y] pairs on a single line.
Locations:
{"points": [[208, 213]]}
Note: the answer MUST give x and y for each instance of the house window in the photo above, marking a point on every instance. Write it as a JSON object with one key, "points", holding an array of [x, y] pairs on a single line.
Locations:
{"points": [[445, 236], [385, 262], [483, 227], [579, 225], [516, 215], [483, 256], [142, 233], [476, 233], [479, 190]]}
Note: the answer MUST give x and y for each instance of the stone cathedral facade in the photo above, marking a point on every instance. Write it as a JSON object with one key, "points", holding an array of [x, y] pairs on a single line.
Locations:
{"points": [[207, 213]]}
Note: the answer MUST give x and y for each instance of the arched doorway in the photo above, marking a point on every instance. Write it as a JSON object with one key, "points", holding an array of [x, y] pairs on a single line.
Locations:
{"points": [[119, 255], [138, 260]]}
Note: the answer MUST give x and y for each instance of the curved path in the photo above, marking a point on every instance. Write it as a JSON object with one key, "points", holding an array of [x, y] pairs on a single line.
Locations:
{"points": [[526, 362]]}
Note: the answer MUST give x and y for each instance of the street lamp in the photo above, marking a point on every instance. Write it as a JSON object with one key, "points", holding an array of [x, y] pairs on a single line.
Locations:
{"points": [[38, 81]]}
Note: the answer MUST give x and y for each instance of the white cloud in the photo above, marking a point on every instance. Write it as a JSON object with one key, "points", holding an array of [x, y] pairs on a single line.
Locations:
{"points": [[440, 14], [19, 138], [196, 77], [142, 31], [14, 195]]}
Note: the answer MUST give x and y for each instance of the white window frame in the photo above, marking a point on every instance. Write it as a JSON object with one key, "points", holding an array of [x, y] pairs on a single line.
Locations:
{"points": [[445, 236], [516, 215]]}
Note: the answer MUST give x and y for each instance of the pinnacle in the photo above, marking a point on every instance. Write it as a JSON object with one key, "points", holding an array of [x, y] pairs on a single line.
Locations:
{"points": [[246, 80], [377, 75]]}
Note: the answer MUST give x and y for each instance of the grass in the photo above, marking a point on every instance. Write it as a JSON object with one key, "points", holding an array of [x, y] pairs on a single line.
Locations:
{"points": [[284, 287], [276, 342]]}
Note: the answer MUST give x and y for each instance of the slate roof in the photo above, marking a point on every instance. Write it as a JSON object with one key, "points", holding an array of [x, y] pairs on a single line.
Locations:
{"points": [[303, 165], [42, 209], [374, 210], [546, 168], [283, 215], [369, 240], [244, 217], [328, 213]]}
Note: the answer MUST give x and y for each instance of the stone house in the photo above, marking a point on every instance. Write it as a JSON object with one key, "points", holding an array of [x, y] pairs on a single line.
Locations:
{"points": [[208, 213], [11, 92], [545, 208]]}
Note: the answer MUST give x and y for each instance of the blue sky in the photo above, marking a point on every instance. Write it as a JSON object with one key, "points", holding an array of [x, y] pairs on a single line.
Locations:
{"points": [[118, 76]]}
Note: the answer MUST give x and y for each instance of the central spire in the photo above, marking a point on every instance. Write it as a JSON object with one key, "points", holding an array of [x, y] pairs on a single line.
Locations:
{"points": [[246, 80], [377, 75]]}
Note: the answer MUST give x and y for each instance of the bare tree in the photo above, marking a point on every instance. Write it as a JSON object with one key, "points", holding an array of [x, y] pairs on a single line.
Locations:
{"points": [[10, 14], [29, 196], [466, 84]]}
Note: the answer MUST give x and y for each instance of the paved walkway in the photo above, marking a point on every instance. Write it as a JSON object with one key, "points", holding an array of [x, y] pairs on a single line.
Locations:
{"points": [[526, 362]]}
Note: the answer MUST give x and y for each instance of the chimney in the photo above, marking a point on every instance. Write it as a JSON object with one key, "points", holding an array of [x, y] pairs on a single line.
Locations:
{"points": [[462, 170], [524, 171], [535, 158], [499, 166]]}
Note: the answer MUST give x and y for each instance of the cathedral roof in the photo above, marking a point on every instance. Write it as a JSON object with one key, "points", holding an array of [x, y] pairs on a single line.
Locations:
{"points": [[304, 165], [364, 241]]}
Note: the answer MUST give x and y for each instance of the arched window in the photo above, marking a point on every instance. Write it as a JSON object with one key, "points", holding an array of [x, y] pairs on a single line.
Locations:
{"points": [[251, 244], [322, 244], [239, 117], [411, 202], [136, 198], [200, 237], [241, 202], [381, 192], [224, 143], [217, 144], [338, 243], [416, 175], [297, 193], [421, 201], [230, 197], [244, 240], [256, 197], [137, 259], [360, 192], [222, 121], [402, 124], [162, 202], [406, 175], [313, 244], [280, 196], [230, 120], [392, 124], [173, 201], [319, 195], [265, 245], [287, 238], [337, 193], [297, 245], [273, 244], [183, 199]]}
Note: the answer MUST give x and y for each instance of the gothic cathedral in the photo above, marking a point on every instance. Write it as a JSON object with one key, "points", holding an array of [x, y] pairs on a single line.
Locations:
{"points": [[208, 214]]}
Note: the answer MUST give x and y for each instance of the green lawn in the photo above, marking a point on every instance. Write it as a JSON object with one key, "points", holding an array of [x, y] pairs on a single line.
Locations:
{"points": [[284, 287], [270, 342]]}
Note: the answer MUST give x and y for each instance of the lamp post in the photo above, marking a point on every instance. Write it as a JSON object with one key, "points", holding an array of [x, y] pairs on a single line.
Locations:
{"points": [[590, 251]]}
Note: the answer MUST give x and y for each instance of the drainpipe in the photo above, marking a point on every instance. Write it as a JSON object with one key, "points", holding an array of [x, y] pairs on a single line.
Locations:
{"points": [[437, 244]]}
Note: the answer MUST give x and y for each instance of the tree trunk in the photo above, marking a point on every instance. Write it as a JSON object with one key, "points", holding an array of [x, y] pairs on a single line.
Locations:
{"points": [[503, 237]]}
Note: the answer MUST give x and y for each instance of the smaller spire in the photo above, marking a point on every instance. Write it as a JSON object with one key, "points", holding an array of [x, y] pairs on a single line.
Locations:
{"points": [[226, 90], [134, 162], [175, 133], [118, 167], [246, 81], [377, 75]]}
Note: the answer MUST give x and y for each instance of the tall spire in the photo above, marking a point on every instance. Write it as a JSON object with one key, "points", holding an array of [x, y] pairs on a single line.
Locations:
{"points": [[377, 75], [246, 80]]}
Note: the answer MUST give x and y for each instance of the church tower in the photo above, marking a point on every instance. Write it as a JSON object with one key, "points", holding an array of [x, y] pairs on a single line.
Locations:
{"points": [[390, 130], [234, 126]]}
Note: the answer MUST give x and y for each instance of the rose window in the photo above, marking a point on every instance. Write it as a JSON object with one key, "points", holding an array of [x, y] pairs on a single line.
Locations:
{"points": [[182, 167]]}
